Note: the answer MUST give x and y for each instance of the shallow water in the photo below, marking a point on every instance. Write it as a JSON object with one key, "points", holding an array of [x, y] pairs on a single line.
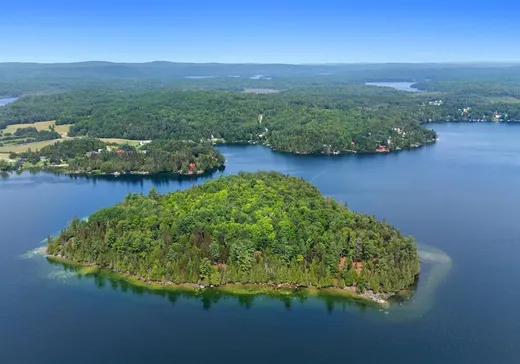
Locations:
{"points": [[459, 198]]}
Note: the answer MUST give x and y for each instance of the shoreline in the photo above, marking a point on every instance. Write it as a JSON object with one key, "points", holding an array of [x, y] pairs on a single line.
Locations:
{"points": [[62, 170], [237, 288], [334, 153]]}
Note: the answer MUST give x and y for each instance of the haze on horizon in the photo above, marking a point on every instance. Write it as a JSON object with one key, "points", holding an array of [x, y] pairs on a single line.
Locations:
{"points": [[290, 32]]}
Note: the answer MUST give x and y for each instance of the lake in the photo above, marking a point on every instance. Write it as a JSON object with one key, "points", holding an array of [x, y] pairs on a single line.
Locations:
{"points": [[460, 198], [400, 86], [8, 100]]}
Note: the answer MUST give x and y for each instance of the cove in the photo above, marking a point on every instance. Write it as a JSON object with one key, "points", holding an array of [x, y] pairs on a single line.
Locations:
{"points": [[458, 197], [7, 100]]}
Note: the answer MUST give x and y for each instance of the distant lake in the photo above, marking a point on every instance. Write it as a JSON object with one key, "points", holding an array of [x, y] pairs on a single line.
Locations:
{"points": [[459, 197], [401, 86], [8, 100]]}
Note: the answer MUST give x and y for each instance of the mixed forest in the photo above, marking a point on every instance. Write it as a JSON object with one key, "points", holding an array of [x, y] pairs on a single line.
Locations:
{"points": [[248, 228], [91, 155], [318, 120]]}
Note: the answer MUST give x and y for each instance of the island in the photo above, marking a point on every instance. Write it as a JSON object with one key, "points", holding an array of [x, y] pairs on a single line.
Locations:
{"points": [[262, 229], [94, 156]]}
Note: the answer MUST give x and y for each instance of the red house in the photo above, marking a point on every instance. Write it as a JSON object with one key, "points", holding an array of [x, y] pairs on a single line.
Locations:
{"points": [[120, 151], [192, 165]]}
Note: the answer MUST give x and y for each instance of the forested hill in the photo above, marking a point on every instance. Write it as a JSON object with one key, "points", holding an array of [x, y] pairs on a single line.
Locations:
{"points": [[253, 227], [305, 120], [17, 79]]}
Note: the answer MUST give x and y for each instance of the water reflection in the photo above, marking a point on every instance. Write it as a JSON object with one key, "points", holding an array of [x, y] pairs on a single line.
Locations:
{"points": [[158, 179], [409, 304], [212, 296]]}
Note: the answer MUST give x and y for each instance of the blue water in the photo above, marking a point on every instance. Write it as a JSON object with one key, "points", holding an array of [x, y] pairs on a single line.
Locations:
{"points": [[461, 196], [8, 100], [400, 86]]}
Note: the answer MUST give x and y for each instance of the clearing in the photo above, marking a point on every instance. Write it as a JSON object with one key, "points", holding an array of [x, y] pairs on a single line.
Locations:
{"points": [[19, 148], [42, 125], [121, 141]]}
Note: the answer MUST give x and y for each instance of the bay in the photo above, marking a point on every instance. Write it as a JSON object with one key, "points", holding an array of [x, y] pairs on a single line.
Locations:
{"points": [[459, 197], [8, 100], [400, 86]]}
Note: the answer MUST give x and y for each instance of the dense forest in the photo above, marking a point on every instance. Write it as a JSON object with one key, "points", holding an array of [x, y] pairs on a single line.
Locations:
{"points": [[251, 228], [90, 155], [312, 109], [305, 120]]}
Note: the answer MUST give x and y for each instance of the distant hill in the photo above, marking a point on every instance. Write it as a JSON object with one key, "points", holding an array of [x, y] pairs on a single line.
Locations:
{"points": [[18, 79]]}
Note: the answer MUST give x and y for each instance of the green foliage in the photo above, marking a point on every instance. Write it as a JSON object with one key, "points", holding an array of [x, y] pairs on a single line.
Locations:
{"points": [[252, 228], [93, 155], [302, 120], [28, 135]]}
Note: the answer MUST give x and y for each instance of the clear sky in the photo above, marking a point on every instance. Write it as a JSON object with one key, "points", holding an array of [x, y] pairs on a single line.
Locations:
{"points": [[266, 31]]}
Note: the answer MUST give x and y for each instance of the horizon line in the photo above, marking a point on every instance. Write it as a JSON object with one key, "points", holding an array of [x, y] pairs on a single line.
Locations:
{"points": [[512, 62]]}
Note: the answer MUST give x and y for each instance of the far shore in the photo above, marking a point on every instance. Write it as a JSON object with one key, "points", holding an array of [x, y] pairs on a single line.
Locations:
{"points": [[267, 289]]}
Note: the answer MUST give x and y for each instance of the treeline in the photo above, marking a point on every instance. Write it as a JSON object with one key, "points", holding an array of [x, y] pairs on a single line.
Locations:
{"points": [[18, 79], [251, 228], [29, 134], [90, 155], [304, 120]]}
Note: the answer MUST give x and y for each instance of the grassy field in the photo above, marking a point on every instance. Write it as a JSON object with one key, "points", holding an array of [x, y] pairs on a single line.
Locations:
{"points": [[23, 147], [4, 155], [38, 145], [42, 125], [504, 100], [121, 141]]}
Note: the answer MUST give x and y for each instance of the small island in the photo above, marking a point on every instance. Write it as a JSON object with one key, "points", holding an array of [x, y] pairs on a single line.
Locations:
{"points": [[260, 229], [94, 156]]}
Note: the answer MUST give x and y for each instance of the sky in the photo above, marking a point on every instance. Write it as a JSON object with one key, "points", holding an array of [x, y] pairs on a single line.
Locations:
{"points": [[267, 31]]}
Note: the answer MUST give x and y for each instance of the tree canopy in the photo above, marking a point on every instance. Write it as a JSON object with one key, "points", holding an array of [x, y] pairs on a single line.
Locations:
{"points": [[306, 120], [91, 155], [253, 228]]}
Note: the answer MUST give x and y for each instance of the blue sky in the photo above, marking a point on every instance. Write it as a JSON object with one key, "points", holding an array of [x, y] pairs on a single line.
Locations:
{"points": [[260, 31]]}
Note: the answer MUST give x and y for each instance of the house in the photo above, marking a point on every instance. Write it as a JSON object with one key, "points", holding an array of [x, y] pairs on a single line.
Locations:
{"points": [[192, 165], [120, 151]]}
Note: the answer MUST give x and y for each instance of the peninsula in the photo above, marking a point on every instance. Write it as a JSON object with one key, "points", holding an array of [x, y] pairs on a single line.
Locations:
{"points": [[260, 228], [93, 156]]}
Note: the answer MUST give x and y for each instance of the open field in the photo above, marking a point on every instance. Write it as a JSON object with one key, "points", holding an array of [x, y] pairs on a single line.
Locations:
{"points": [[4, 155], [23, 147], [19, 148], [504, 100], [42, 125], [121, 141]]}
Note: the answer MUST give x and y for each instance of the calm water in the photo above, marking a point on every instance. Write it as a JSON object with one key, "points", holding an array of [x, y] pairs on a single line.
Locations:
{"points": [[6, 101], [400, 86], [461, 196]]}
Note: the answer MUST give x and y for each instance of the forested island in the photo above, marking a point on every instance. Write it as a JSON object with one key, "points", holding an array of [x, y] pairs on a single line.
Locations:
{"points": [[251, 228], [93, 156]]}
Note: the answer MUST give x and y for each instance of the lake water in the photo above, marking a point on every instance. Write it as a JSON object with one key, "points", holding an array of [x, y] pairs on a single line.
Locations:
{"points": [[460, 198], [8, 100], [400, 86]]}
